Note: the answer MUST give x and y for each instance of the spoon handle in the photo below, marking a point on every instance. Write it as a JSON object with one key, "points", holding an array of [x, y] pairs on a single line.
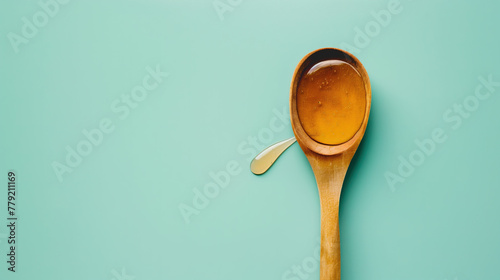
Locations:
{"points": [[330, 173], [330, 239]]}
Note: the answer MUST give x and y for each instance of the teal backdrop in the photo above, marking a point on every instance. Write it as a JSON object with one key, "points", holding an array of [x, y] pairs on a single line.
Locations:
{"points": [[126, 172]]}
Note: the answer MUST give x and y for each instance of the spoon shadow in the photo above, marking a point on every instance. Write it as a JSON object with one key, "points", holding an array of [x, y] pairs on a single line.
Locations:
{"points": [[363, 148]]}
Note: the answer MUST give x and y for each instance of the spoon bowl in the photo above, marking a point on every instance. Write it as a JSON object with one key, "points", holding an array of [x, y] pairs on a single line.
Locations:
{"points": [[306, 64], [330, 100]]}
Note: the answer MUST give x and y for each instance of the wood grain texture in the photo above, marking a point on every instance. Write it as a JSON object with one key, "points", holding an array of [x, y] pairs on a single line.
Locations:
{"points": [[329, 162]]}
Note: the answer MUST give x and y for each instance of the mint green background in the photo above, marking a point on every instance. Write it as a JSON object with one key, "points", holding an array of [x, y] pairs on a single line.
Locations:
{"points": [[119, 208]]}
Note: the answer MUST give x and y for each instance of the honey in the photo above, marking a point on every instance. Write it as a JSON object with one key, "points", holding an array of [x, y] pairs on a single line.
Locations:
{"points": [[263, 161], [331, 101]]}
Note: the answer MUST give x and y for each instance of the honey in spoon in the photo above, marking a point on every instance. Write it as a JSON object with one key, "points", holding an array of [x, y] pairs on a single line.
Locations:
{"points": [[329, 96]]}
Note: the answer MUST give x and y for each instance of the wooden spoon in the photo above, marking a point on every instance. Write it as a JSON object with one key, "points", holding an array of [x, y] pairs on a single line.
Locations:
{"points": [[330, 100]]}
